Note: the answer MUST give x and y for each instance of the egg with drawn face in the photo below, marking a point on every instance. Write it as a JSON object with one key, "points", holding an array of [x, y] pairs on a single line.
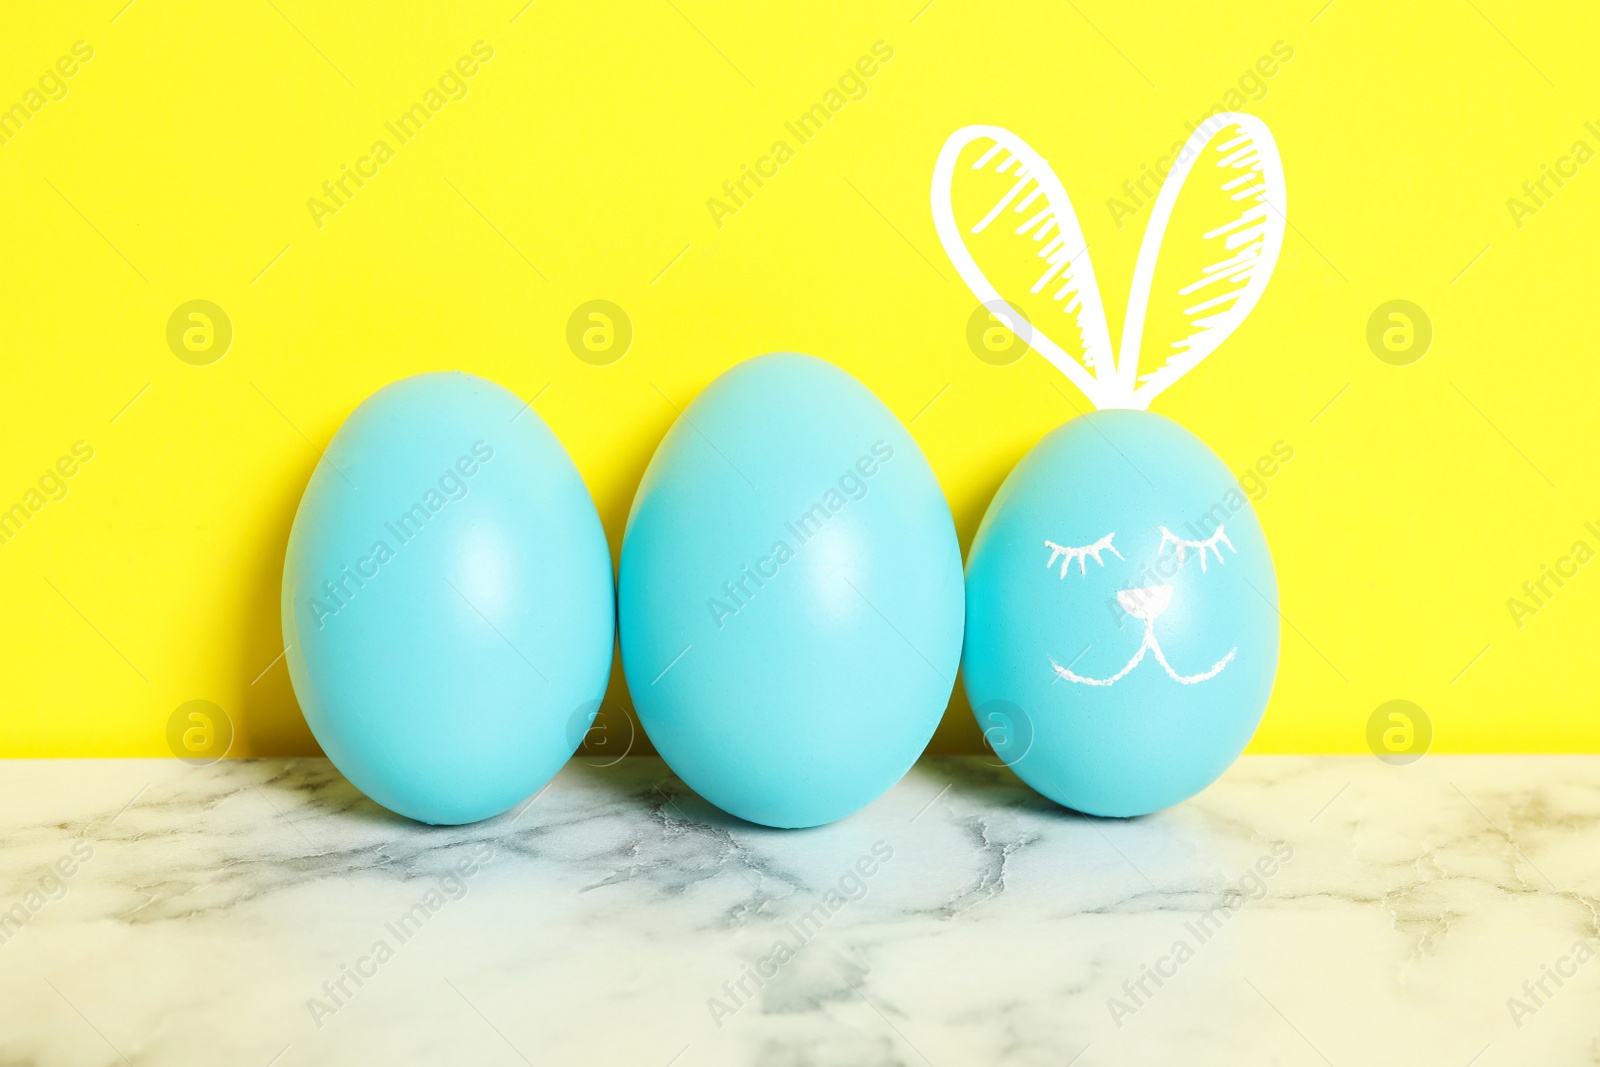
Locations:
{"points": [[1122, 607], [1122, 621]]}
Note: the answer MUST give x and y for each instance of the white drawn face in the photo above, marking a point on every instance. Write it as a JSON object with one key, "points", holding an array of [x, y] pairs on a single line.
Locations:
{"points": [[1145, 603]]}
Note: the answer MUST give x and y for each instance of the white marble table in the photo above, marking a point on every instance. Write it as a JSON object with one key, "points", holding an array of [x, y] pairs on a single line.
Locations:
{"points": [[256, 913]]}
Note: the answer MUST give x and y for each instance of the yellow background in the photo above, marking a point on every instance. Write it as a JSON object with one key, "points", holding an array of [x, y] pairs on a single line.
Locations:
{"points": [[179, 165]]}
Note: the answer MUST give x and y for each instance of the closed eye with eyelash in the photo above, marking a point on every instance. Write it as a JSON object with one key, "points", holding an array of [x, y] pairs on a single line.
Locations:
{"points": [[1170, 538], [1081, 554]]}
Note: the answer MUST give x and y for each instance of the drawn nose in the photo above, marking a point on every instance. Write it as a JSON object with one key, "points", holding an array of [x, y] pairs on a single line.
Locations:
{"points": [[1146, 603]]}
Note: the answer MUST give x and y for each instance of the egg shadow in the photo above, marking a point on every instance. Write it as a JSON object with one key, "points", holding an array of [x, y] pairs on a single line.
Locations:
{"points": [[993, 784], [318, 784], [958, 731], [266, 716], [647, 782]]}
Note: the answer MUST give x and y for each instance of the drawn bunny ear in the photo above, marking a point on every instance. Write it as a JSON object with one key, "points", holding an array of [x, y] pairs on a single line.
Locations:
{"points": [[1213, 239], [1008, 226]]}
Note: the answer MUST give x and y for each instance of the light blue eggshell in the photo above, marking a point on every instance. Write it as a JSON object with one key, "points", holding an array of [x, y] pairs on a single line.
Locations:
{"points": [[447, 600], [790, 594], [1088, 739]]}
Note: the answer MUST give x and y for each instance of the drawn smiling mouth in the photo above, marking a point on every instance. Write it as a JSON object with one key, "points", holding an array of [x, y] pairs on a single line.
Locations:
{"points": [[1146, 604]]}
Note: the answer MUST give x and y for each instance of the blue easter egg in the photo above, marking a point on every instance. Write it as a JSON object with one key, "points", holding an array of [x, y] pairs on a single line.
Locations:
{"points": [[447, 600], [1122, 616], [791, 594]]}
